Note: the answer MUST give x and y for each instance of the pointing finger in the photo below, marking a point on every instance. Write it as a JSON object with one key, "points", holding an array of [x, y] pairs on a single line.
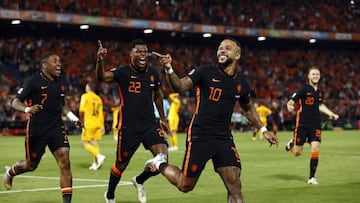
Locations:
{"points": [[158, 54], [100, 44]]}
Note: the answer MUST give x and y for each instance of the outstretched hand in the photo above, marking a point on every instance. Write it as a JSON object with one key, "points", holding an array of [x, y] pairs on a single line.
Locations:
{"points": [[272, 139], [101, 53], [165, 60]]}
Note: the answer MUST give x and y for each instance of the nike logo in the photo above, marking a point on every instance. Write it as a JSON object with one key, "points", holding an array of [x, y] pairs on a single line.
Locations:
{"points": [[62, 95], [43, 87], [133, 76], [237, 96], [152, 85], [215, 80], [308, 93]]}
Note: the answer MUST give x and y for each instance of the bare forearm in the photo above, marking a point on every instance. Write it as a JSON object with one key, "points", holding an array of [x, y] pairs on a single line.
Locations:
{"points": [[100, 70], [18, 105], [252, 115]]}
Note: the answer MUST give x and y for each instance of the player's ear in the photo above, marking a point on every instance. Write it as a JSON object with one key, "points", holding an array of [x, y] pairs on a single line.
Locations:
{"points": [[238, 56]]}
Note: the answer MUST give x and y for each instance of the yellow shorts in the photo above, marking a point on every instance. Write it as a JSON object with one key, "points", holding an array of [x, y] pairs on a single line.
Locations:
{"points": [[174, 123], [90, 134]]}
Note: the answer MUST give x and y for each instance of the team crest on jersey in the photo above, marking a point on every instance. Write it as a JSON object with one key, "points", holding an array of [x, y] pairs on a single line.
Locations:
{"points": [[238, 88], [194, 168], [152, 78], [62, 88]]}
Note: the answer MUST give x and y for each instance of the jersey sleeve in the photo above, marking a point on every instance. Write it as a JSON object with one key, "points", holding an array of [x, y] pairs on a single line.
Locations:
{"points": [[245, 94], [82, 103], [24, 90], [297, 94], [196, 74]]}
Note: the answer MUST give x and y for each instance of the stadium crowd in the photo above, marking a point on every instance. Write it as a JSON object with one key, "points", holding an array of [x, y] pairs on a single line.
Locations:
{"points": [[274, 71], [324, 15]]}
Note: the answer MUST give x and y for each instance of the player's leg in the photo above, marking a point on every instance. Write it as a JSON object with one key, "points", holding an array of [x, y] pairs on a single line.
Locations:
{"points": [[314, 160], [62, 157], [173, 125], [100, 158], [34, 148], [185, 179], [87, 137], [296, 144], [227, 163], [255, 130], [125, 149], [231, 178]]}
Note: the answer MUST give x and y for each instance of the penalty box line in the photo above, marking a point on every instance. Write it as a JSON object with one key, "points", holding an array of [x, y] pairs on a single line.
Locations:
{"points": [[58, 188]]}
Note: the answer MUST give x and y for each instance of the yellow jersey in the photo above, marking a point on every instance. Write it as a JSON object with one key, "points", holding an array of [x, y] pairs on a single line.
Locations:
{"points": [[92, 107], [263, 112], [174, 106]]}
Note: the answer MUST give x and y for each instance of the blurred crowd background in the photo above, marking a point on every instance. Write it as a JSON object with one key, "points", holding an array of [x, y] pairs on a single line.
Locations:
{"points": [[275, 68]]}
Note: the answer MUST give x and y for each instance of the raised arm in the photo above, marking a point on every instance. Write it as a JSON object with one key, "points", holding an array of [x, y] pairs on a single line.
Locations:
{"points": [[101, 74], [177, 84]]}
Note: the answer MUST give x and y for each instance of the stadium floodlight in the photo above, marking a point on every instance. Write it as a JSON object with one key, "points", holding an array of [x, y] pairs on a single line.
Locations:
{"points": [[206, 35], [312, 41], [261, 38], [84, 27], [148, 31], [15, 22]]}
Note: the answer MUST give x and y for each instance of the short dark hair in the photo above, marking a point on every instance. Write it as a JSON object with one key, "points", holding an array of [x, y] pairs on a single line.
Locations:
{"points": [[92, 86], [236, 42], [45, 57], [137, 42]]}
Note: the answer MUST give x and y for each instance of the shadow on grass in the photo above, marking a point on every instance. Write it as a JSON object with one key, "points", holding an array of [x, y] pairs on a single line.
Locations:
{"points": [[289, 177]]}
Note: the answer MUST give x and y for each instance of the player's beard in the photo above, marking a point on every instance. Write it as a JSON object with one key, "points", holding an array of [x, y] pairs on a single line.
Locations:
{"points": [[226, 63]]}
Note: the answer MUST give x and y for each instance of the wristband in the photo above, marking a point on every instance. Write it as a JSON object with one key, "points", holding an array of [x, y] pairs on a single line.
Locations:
{"points": [[263, 129], [72, 116], [27, 109], [169, 70]]}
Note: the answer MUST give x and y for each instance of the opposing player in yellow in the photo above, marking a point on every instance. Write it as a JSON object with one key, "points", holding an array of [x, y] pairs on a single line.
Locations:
{"points": [[263, 113], [174, 119], [115, 115], [91, 114]]}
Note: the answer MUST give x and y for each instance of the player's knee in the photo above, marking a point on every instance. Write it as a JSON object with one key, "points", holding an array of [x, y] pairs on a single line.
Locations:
{"points": [[297, 153], [186, 188]]}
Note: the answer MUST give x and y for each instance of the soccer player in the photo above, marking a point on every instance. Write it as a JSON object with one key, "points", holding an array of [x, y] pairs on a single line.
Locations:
{"points": [[44, 93], [263, 113], [115, 117], [139, 87], [91, 114], [218, 87], [308, 101], [174, 120]]}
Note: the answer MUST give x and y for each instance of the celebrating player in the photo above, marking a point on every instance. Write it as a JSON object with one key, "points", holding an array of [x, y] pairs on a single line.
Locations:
{"points": [[218, 87], [139, 87], [308, 100], [44, 93]]}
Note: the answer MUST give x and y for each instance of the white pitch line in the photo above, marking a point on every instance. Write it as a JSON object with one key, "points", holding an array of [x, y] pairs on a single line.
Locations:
{"points": [[58, 188]]}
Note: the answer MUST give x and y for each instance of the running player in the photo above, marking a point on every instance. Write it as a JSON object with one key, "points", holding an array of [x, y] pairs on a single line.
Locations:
{"points": [[44, 93], [309, 103], [91, 114], [218, 87], [139, 87]]}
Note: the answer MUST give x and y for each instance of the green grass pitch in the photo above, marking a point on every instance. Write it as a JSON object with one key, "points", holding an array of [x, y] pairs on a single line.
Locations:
{"points": [[268, 175]]}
